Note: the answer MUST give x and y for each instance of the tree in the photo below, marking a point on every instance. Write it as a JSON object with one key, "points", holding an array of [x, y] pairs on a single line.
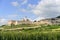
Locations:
{"points": [[58, 17], [35, 21], [12, 25]]}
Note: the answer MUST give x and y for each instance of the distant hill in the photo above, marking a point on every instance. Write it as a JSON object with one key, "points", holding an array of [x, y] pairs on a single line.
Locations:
{"points": [[58, 17], [55, 20]]}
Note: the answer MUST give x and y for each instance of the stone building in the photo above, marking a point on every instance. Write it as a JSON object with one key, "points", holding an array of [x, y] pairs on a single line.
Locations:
{"points": [[43, 21], [12, 22], [23, 21], [48, 21]]}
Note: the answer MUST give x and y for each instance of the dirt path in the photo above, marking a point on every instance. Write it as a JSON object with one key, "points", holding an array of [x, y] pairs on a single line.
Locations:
{"points": [[20, 28]]}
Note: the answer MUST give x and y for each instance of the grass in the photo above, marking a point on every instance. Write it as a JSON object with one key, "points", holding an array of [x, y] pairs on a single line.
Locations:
{"points": [[17, 26], [40, 33], [14, 35]]}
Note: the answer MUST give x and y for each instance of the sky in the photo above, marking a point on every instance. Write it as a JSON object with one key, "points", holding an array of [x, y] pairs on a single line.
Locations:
{"points": [[33, 9]]}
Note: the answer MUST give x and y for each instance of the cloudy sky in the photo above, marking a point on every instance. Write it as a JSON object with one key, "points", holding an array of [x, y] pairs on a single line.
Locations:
{"points": [[33, 9]]}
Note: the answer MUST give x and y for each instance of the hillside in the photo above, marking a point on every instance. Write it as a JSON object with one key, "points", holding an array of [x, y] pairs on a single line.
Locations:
{"points": [[52, 21], [58, 17], [31, 32]]}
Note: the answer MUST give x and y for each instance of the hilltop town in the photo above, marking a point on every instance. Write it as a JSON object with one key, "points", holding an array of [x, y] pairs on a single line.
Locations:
{"points": [[48, 21], [31, 29]]}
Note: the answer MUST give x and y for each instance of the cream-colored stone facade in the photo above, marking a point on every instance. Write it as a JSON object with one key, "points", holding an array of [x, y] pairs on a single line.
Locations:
{"points": [[12, 22], [23, 21], [27, 21]]}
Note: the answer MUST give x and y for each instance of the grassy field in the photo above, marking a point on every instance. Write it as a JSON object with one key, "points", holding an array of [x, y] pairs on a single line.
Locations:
{"points": [[42, 32]]}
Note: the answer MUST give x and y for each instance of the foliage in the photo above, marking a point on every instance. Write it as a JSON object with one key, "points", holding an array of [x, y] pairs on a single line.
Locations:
{"points": [[58, 17], [29, 36], [17, 26], [44, 32]]}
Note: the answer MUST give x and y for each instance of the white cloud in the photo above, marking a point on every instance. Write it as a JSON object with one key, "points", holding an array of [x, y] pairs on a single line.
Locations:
{"points": [[23, 10], [31, 6], [36, 11], [47, 8], [3, 21], [15, 3], [12, 15], [39, 18], [24, 2]]}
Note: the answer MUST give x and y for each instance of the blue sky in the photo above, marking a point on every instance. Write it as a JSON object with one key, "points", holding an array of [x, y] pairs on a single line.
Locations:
{"points": [[33, 9], [16, 8]]}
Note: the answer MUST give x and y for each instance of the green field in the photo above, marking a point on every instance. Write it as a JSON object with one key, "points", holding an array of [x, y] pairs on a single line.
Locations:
{"points": [[41, 32]]}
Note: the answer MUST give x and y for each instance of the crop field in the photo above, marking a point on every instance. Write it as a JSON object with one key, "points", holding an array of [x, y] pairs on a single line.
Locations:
{"points": [[50, 32]]}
